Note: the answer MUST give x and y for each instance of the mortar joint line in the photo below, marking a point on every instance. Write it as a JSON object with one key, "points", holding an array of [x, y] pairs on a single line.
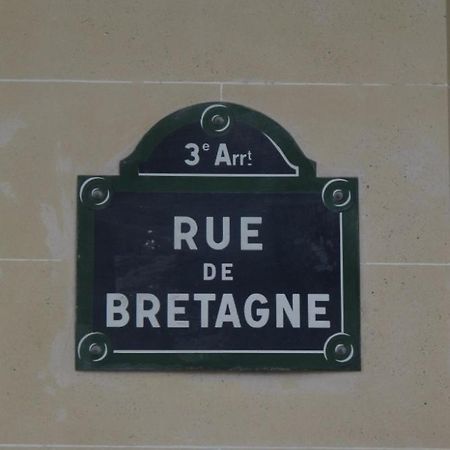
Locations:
{"points": [[220, 83]]}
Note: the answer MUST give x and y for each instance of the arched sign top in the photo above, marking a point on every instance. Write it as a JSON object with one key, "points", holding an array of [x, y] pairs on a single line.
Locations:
{"points": [[219, 140]]}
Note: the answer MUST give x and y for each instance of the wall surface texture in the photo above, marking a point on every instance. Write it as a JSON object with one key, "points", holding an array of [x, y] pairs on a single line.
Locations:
{"points": [[361, 85]]}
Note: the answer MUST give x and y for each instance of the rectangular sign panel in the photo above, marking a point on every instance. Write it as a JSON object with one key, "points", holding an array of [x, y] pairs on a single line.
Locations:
{"points": [[217, 272]]}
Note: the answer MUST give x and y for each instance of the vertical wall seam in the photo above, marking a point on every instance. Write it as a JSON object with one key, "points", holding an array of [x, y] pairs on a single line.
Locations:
{"points": [[447, 12]]}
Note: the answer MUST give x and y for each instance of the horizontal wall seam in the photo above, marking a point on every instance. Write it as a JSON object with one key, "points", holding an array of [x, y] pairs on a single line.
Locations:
{"points": [[208, 447], [217, 83], [30, 260], [406, 264]]}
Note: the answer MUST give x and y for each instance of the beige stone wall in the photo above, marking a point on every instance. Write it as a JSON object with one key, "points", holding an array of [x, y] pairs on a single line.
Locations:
{"points": [[361, 85]]}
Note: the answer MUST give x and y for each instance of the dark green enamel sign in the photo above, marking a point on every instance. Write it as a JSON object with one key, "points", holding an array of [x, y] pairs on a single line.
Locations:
{"points": [[217, 247]]}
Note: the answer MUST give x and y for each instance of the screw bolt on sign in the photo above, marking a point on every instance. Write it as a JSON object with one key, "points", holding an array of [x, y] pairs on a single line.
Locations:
{"points": [[217, 247]]}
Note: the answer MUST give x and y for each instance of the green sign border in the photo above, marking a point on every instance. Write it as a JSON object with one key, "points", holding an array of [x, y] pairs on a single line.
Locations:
{"points": [[93, 349]]}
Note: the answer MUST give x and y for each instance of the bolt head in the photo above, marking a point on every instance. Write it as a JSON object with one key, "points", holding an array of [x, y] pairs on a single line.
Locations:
{"points": [[341, 350], [218, 121], [95, 349], [338, 195], [98, 194]]}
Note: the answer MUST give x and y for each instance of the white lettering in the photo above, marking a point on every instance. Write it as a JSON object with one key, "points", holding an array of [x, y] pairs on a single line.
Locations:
{"points": [[116, 304], [150, 314], [194, 154], [223, 156], [227, 312], [173, 310], [262, 313], [225, 233], [226, 272], [209, 271], [247, 233], [292, 312], [187, 236], [314, 311], [204, 300]]}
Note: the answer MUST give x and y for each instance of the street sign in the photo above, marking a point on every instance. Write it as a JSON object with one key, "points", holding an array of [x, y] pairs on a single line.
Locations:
{"points": [[217, 247]]}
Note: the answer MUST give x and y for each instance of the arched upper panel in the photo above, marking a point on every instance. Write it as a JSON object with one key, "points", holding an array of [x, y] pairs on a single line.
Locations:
{"points": [[218, 139]]}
